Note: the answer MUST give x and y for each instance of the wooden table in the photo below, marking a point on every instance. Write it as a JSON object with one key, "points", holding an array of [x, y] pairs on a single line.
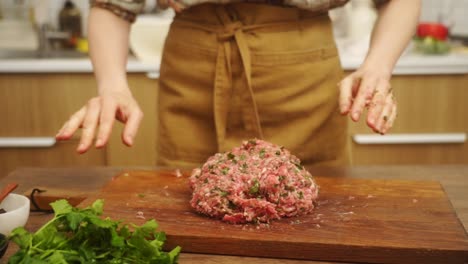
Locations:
{"points": [[454, 179]]}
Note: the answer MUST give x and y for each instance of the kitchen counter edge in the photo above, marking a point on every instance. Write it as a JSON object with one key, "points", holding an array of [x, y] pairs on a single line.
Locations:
{"points": [[412, 64]]}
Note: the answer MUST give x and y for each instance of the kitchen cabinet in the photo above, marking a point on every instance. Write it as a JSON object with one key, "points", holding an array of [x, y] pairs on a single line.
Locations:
{"points": [[36, 105], [427, 104]]}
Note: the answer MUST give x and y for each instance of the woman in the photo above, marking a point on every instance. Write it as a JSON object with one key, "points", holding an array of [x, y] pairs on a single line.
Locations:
{"points": [[238, 70]]}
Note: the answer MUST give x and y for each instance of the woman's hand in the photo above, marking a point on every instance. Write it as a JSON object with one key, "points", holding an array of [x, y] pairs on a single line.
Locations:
{"points": [[97, 117], [369, 86], [366, 88], [174, 4]]}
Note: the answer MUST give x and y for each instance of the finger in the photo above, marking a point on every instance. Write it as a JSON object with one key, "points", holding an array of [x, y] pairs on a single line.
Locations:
{"points": [[121, 115], [106, 121], [385, 115], [59, 134], [89, 124], [131, 127], [391, 119], [377, 104], [178, 7], [70, 127], [356, 84], [363, 97], [346, 86]]}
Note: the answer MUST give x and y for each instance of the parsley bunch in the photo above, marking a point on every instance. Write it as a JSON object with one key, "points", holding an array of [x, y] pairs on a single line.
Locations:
{"points": [[81, 236]]}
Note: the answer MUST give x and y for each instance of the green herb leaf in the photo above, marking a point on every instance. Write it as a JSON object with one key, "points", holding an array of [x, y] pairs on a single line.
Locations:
{"points": [[98, 206], [232, 205], [61, 207], [252, 141], [21, 237], [298, 166], [255, 187], [231, 156], [301, 195], [244, 168], [74, 219], [262, 153], [117, 241]]}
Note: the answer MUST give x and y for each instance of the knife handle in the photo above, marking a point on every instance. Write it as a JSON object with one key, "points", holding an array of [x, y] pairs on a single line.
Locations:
{"points": [[7, 190]]}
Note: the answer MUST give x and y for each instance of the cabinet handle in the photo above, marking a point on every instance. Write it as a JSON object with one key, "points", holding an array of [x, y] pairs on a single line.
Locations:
{"points": [[152, 75], [437, 138], [26, 142]]}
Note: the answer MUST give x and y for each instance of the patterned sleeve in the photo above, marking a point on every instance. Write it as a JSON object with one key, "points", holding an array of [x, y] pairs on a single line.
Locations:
{"points": [[125, 9]]}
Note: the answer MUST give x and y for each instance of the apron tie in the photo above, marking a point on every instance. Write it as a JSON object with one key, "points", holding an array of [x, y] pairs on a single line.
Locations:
{"points": [[230, 31], [233, 31]]}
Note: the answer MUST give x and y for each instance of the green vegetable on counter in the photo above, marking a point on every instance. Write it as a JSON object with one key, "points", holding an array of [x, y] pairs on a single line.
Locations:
{"points": [[430, 45], [77, 235]]}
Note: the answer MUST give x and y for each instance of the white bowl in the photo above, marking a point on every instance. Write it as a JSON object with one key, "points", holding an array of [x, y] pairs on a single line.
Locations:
{"points": [[147, 37], [17, 212]]}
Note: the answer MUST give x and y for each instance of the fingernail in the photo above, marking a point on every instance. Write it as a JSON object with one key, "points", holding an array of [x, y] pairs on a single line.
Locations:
{"points": [[355, 115], [344, 109], [380, 128], [129, 140], [98, 142]]}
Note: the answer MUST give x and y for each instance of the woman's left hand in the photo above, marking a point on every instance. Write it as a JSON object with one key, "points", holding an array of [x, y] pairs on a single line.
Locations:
{"points": [[174, 4], [367, 88]]}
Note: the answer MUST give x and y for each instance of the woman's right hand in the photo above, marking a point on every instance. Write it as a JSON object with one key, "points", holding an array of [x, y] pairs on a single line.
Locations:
{"points": [[97, 117]]}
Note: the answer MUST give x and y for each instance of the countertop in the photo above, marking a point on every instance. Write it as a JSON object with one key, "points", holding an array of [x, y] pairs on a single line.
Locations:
{"points": [[410, 64], [417, 64], [67, 65], [454, 179]]}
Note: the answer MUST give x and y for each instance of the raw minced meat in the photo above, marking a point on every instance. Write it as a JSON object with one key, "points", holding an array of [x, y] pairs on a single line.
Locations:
{"points": [[256, 182]]}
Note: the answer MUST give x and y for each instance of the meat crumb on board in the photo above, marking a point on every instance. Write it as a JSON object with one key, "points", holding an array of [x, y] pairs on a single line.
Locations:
{"points": [[255, 182], [140, 215], [178, 173]]}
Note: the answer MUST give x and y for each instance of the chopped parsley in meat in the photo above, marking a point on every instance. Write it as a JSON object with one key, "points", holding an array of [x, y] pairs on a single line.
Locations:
{"points": [[255, 182]]}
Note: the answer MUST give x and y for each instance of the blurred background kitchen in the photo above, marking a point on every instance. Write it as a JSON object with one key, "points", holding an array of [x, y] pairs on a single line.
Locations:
{"points": [[45, 76]]}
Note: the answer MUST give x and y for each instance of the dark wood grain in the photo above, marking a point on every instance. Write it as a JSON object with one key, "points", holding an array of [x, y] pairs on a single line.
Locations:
{"points": [[358, 220]]}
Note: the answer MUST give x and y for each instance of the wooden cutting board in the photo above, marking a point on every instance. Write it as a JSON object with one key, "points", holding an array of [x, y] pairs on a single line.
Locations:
{"points": [[357, 220]]}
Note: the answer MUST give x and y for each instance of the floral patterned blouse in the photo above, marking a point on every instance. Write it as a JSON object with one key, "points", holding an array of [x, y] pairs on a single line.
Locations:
{"points": [[129, 9]]}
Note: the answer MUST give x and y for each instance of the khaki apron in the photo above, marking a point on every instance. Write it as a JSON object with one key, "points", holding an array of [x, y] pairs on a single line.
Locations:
{"points": [[240, 71]]}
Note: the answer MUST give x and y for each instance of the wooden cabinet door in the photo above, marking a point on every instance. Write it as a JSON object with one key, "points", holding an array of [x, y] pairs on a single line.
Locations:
{"points": [[36, 105]]}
